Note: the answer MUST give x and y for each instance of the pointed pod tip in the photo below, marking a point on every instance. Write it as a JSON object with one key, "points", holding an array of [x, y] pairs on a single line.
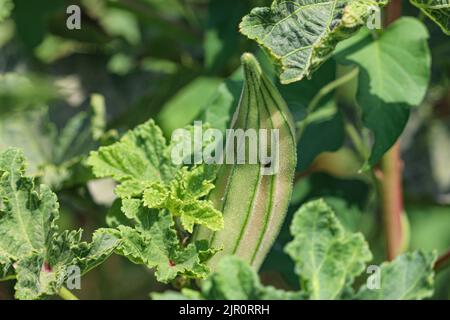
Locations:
{"points": [[248, 58], [251, 65]]}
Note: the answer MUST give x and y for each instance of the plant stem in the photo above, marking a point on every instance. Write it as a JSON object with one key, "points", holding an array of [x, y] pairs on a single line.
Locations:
{"points": [[357, 141], [66, 294], [391, 188], [329, 88], [8, 278], [442, 262], [324, 91], [393, 11]]}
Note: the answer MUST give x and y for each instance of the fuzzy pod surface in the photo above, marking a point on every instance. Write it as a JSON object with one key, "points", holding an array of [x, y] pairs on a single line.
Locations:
{"points": [[254, 197]]}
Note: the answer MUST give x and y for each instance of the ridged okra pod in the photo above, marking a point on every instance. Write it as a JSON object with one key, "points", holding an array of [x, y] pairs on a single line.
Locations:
{"points": [[254, 200]]}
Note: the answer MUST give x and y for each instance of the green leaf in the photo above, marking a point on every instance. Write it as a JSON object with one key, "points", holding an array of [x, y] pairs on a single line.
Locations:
{"points": [[153, 241], [29, 238], [300, 35], [56, 156], [34, 14], [324, 131], [395, 71], [327, 257], [140, 157], [408, 277], [222, 104], [187, 104], [23, 93], [182, 197], [436, 10], [33, 132], [122, 23], [233, 280]]}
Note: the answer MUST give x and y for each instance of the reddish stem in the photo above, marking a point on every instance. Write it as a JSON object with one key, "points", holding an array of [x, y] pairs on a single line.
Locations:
{"points": [[393, 11], [392, 169], [392, 200]]}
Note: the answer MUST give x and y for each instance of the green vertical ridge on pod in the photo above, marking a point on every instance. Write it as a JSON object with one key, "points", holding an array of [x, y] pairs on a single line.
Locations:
{"points": [[254, 205]]}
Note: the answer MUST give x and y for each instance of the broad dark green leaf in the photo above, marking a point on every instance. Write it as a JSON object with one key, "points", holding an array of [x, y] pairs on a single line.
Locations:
{"points": [[394, 76]]}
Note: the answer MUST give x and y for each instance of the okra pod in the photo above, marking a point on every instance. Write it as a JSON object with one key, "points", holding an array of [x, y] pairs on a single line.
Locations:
{"points": [[254, 200]]}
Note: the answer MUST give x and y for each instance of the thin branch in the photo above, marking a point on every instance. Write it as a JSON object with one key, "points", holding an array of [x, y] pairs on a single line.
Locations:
{"points": [[391, 188], [323, 92]]}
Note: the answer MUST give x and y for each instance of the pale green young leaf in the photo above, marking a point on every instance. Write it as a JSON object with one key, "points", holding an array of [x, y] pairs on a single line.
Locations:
{"points": [[394, 76], [327, 257], [408, 277], [436, 10], [183, 197], [301, 34], [140, 157], [30, 245]]}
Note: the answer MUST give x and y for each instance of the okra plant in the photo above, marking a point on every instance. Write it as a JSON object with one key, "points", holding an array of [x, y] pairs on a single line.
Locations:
{"points": [[268, 143]]}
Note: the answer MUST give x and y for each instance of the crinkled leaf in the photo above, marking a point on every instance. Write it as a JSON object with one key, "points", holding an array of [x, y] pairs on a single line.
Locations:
{"points": [[436, 10], [140, 156], [29, 238], [394, 76], [233, 280], [408, 277], [184, 147], [42, 274], [301, 34], [327, 257], [153, 241], [182, 197]]}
